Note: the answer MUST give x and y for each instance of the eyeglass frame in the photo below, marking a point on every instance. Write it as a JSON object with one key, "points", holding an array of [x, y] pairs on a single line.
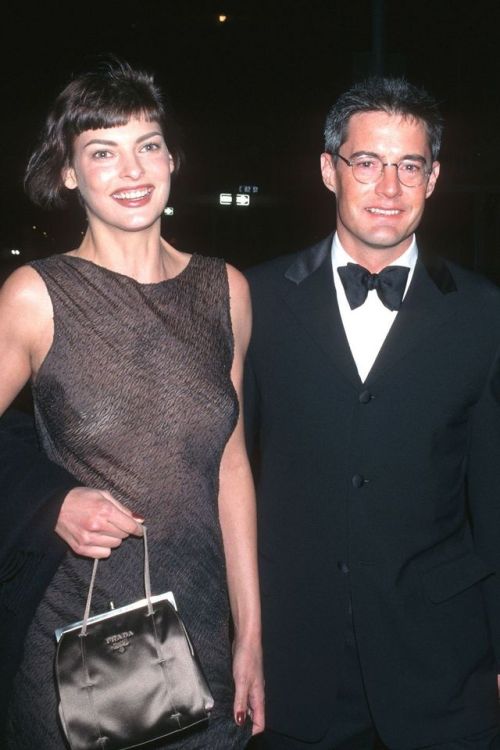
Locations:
{"points": [[349, 163]]}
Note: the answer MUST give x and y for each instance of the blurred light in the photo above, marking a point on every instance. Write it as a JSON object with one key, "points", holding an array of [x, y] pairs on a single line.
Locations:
{"points": [[168, 211], [14, 251], [34, 226], [242, 199], [225, 199], [222, 18]]}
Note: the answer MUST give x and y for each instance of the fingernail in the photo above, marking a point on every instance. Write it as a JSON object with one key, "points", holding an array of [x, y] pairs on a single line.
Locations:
{"points": [[137, 518], [240, 718]]}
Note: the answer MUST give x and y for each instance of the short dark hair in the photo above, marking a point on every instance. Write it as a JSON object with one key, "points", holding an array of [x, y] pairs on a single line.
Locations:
{"points": [[395, 96], [104, 97]]}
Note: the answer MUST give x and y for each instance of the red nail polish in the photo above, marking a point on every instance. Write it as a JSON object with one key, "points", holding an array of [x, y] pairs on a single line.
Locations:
{"points": [[137, 517], [240, 718]]}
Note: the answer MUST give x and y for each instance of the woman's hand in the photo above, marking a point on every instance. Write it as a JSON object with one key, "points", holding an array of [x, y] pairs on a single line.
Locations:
{"points": [[93, 523], [249, 685]]}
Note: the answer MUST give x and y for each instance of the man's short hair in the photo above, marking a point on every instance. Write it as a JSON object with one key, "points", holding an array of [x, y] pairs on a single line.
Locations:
{"points": [[395, 96]]}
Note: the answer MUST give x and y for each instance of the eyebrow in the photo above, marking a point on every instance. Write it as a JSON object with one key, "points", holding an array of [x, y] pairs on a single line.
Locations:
{"points": [[106, 142], [412, 157]]}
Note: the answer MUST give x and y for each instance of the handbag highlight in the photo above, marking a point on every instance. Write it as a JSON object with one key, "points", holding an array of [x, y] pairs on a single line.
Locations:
{"points": [[129, 675]]}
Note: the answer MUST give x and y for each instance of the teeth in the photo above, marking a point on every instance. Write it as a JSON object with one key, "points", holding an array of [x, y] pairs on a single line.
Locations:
{"points": [[384, 211], [132, 195]]}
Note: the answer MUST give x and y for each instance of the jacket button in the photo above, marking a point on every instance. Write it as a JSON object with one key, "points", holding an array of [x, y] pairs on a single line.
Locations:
{"points": [[358, 481], [343, 567], [365, 397]]}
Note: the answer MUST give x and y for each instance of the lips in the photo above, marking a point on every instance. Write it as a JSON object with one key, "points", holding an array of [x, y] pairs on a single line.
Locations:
{"points": [[133, 195], [384, 211]]}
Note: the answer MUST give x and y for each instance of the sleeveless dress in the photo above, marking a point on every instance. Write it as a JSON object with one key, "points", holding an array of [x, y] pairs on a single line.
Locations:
{"points": [[135, 397]]}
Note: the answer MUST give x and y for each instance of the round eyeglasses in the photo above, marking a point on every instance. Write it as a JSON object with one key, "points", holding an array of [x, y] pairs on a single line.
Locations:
{"points": [[369, 169]]}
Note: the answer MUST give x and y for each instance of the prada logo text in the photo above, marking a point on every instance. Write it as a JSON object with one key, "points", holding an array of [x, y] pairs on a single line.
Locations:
{"points": [[120, 641]]}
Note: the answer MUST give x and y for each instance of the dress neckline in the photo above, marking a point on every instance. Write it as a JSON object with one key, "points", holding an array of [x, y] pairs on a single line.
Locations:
{"points": [[108, 271]]}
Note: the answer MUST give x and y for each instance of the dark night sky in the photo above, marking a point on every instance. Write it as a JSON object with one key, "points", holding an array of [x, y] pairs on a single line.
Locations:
{"points": [[251, 96]]}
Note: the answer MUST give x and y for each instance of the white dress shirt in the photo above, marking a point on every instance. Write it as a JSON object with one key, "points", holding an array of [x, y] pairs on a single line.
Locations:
{"points": [[367, 326]]}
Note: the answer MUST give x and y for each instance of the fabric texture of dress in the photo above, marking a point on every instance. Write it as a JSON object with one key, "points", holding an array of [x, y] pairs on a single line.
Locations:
{"points": [[135, 397]]}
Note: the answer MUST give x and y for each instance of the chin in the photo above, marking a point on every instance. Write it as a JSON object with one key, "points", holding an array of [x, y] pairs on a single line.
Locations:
{"points": [[137, 224], [388, 242]]}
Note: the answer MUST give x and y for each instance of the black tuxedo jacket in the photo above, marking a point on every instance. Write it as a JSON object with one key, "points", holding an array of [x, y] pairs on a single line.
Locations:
{"points": [[386, 491], [32, 489]]}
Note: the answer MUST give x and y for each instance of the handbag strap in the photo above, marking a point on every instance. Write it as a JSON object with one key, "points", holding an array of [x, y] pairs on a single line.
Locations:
{"points": [[147, 584]]}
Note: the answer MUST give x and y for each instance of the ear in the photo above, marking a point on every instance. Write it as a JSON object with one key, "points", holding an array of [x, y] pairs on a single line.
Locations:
{"points": [[431, 183], [69, 178], [171, 162], [328, 172]]}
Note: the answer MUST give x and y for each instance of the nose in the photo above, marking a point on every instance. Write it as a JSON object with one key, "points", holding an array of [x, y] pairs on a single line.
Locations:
{"points": [[131, 166], [388, 183]]}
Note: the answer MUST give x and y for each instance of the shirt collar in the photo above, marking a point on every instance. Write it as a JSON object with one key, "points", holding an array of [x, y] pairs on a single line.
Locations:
{"points": [[341, 258]]}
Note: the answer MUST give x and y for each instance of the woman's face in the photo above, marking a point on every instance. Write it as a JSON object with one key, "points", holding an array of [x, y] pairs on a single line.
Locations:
{"points": [[122, 174]]}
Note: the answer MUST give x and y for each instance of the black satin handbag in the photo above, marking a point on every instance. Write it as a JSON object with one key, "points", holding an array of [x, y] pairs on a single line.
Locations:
{"points": [[129, 675]]}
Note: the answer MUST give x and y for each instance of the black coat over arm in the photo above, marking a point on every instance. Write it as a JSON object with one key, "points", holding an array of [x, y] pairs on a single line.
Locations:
{"points": [[32, 489]]}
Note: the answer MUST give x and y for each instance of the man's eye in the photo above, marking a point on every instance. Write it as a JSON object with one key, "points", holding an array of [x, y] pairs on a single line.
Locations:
{"points": [[411, 167], [366, 163]]}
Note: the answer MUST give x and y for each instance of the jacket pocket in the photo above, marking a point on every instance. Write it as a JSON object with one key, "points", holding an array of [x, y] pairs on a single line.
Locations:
{"points": [[454, 576]]}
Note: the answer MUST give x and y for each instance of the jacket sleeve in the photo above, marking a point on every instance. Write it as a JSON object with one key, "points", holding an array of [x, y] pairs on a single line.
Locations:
{"points": [[32, 489], [483, 478], [251, 405]]}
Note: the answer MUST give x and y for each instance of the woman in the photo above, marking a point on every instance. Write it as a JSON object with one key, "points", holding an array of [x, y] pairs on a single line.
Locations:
{"points": [[135, 353]]}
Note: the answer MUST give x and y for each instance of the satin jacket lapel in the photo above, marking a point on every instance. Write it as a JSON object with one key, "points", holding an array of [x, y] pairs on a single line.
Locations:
{"points": [[426, 305], [312, 299]]}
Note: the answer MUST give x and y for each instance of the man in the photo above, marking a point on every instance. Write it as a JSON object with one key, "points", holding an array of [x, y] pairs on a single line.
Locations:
{"points": [[374, 396]]}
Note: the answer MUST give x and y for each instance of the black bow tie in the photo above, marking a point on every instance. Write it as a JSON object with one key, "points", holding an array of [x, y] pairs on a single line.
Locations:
{"points": [[390, 284]]}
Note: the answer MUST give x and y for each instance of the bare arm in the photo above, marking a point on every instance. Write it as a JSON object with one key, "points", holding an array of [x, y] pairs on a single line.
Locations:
{"points": [[238, 523], [91, 521], [23, 320]]}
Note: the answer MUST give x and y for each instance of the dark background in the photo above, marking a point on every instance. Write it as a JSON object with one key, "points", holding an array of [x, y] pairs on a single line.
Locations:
{"points": [[251, 95]]}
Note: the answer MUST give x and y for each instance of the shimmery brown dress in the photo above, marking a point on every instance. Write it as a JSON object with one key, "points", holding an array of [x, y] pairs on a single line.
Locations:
{"points": [[135, 397]]}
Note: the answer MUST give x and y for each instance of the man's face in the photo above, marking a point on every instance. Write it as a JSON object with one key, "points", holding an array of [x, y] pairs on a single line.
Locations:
{"points": [[375, 222]]}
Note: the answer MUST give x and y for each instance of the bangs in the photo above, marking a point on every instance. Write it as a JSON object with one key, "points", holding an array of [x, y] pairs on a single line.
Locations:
{"points": [[111, 118], [108, 98], [105, 110]]}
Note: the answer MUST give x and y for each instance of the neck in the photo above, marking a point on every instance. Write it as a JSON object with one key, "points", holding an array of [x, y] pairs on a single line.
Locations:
{"points": [[145, 255]]}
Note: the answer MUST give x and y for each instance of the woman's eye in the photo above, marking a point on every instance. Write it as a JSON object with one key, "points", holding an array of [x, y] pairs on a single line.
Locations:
{"points": [[103, 154], [151, 147]]}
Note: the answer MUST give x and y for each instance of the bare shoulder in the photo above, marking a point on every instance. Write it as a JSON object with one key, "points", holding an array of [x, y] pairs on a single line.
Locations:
{"points": [[238, 285], [24, 298], [26, 330], [23, 284]]}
